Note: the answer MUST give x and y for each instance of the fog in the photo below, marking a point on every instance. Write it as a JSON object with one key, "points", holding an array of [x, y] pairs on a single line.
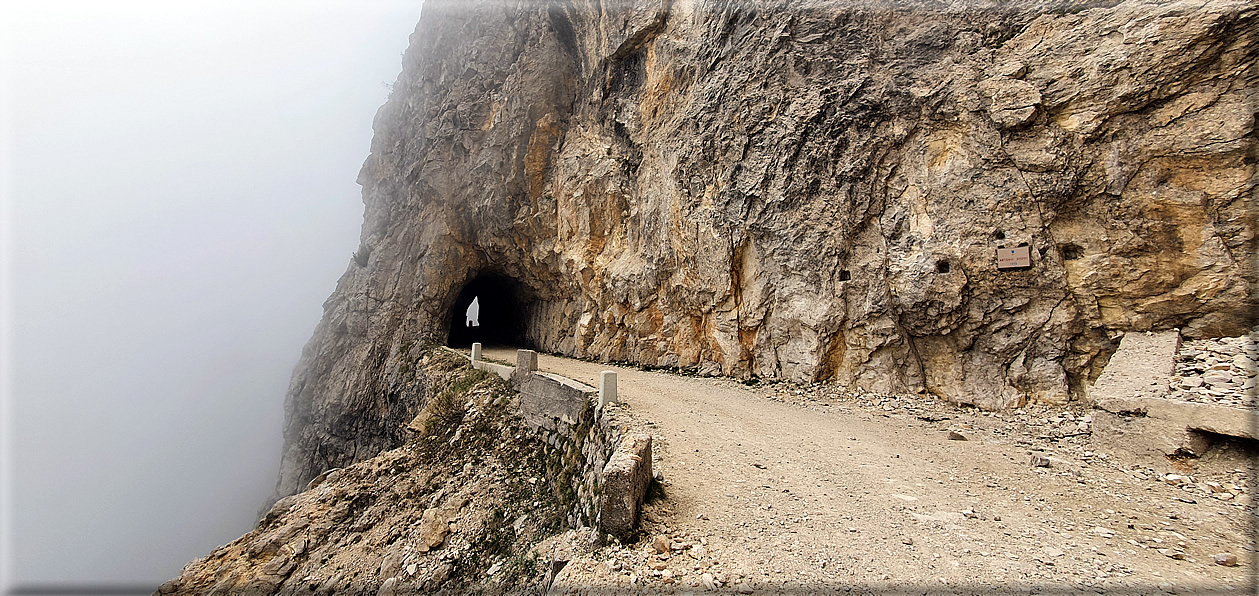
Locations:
{"points": [[179, 198]]}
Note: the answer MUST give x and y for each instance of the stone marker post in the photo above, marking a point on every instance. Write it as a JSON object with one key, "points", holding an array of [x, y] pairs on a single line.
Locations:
{"points": [[607, 388], [526, 364], [476, 352], [526, 361], [624, 485]]}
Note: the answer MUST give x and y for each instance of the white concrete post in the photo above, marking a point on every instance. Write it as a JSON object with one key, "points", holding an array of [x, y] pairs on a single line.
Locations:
{"points": [[476, 352], [607, 388]]}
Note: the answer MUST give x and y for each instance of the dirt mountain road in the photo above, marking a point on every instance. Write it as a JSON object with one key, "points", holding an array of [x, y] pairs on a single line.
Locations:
{"points": [[784, 488]]}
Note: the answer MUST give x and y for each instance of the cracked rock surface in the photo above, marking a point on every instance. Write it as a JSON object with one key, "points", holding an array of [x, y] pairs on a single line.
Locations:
{"points": [[799, 191]]}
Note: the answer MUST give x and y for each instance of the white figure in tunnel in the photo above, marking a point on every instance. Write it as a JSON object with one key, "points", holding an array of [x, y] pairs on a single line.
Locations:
{"points": [[474, 313]]}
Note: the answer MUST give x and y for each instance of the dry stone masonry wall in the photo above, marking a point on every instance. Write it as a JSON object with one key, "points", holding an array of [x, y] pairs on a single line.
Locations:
{"points": [[1217, 371], [603, 470], [1146, 411], [800, 190], [584, 447]]}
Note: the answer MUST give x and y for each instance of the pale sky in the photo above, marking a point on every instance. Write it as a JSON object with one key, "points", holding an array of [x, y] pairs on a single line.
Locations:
{"points": [[179, 198]]}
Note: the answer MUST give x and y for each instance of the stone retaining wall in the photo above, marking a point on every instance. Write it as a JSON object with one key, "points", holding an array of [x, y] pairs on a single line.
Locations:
{"points": [[501, 370], [601, 468], [1217, 371], [1160, 397], [547, 399]]}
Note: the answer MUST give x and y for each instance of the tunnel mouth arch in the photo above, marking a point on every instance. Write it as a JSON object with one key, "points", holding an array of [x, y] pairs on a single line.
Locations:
{"points": [[503, 313]]}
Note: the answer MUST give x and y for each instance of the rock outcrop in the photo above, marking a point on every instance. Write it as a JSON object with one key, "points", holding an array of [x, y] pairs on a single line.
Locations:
{"points": [[803, 190], [464, 507]]}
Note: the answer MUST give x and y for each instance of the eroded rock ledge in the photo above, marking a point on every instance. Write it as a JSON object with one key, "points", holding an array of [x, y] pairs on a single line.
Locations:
{"points": [[798, 190], [475, 502]]}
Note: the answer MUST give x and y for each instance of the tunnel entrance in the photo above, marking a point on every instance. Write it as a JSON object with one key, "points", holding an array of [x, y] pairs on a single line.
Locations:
{"points": [[491, 309]]}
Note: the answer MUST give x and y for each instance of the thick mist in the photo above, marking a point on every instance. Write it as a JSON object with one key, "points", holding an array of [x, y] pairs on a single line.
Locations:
{"points": [[179, 199]]}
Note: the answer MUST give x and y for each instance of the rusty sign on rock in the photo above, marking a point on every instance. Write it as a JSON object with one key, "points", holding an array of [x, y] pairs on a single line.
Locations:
{"points": [[1014, 258]]}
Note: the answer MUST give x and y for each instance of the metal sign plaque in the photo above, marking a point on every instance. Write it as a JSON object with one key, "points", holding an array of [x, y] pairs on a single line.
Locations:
{"points": [[1018, 257]]}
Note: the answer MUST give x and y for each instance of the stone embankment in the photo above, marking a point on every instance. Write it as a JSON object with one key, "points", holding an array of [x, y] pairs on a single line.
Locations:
{"points": [[608, 467], [477, 501], [1147, 410], [466, 505], [1217, 371]]}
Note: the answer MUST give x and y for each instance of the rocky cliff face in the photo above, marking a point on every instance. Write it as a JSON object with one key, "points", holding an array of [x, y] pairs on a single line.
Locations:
{"points": [[807, 190], [470, 505]]}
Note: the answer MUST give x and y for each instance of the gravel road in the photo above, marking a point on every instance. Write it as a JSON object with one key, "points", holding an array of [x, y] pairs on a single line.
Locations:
{"points": [[808, 488]]}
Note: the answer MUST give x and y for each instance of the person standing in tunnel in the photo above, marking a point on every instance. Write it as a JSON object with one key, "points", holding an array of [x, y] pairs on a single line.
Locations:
{"points": [[474, 313]]}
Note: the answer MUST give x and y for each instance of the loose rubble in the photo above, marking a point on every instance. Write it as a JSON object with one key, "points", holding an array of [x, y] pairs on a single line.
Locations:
{"points": [[1217, 371], [1226, 559]]}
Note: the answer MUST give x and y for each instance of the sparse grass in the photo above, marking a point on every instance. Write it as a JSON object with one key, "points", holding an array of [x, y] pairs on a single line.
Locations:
{"points": [[448, 409], [471, 421], [446, 413], [490, 435]]}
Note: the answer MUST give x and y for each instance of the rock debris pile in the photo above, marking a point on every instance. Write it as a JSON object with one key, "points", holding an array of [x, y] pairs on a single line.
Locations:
{"points": [[1043, 422], [1217, 371], [1224, 491]]}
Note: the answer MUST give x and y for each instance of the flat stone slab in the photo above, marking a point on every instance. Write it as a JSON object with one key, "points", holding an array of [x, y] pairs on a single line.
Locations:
{"points": [[546, 398], [1220, 420], [624, 485], [567, 382], [1133, 393], [1141, 367], [501, 370]]}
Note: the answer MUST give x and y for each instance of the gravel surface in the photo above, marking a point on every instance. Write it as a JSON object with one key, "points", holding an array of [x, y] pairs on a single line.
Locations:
{"points": [[810, 488]]}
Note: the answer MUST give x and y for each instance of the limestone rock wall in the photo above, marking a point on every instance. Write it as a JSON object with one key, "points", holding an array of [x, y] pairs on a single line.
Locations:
{"points": [[808, 190]]}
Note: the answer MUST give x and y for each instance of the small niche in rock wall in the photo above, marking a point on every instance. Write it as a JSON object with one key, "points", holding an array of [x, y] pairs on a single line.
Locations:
{"points": [[844, 275], [1071, 252], [942, 266]]}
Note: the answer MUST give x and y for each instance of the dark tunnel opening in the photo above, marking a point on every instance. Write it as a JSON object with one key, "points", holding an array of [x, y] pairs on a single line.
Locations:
{"points": [[501, 316]]}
